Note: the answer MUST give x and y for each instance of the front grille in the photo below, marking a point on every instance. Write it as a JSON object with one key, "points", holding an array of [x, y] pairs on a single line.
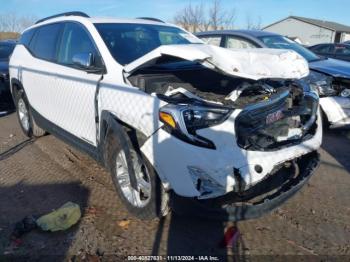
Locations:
{"points": [[255, 132]]}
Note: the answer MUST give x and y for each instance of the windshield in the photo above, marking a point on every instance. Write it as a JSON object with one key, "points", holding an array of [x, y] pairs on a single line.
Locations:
{"points": [[6, 50], [281, 42], [127, 42]]}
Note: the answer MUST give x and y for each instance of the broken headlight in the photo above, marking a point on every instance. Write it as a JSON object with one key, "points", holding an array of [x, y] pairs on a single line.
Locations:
{"points": [[183, 120], [321, 82]]}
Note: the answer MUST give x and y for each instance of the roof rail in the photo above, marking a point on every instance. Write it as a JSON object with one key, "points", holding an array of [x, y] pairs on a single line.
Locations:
{"points": [[151, 19], [75, 13]]}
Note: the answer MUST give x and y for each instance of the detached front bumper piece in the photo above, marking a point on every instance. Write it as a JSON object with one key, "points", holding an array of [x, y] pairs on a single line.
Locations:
{"points": [[233, 207], [337, 110]]}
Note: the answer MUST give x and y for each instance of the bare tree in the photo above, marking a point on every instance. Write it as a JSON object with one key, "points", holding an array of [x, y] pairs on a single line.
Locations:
{"points": [[11, 22], [194, 18], [191, 17], [220, 18], [253, 24]]}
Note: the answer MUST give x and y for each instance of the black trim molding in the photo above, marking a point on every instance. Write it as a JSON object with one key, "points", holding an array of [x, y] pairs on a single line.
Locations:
{"points": [[67, 137]]}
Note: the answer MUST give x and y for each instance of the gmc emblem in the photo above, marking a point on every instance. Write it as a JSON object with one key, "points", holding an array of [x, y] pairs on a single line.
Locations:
{"points": [[275, 116]]}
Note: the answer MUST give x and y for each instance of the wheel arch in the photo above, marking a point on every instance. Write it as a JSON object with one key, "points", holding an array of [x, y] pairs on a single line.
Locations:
{"points": [[112, 125], [15, 87]]}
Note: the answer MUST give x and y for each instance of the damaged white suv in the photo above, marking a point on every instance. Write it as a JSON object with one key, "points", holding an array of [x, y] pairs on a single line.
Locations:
{"points": [[178, 123]]}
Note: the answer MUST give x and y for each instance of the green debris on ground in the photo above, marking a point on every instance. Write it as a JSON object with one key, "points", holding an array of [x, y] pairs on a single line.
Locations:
{"points": [[60, 219]]}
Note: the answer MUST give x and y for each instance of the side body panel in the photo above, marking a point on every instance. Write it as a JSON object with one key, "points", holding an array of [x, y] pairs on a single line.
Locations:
{"points": [[63, 95]]}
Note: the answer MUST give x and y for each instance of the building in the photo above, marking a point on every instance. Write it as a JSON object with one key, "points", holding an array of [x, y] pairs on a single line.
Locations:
{"points": [[310, 31]]}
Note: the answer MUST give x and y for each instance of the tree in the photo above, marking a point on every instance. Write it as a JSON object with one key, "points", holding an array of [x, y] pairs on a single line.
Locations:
{"points": [[252, 24], [194, 18], [191, 17], [219, 18], [11, 22]]}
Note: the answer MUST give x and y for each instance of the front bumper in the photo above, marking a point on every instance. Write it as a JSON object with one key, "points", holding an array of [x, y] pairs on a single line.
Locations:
{"points": [[175, 160], [227, 211], [337, 110]]}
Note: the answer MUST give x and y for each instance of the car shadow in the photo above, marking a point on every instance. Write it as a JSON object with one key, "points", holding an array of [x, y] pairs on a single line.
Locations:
{"points": [[22, 200], [195, 234], [337, 144]]}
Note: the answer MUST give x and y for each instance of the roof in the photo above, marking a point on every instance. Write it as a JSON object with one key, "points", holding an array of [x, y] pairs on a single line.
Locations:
{"points": [[321, 23], [254, 33]]}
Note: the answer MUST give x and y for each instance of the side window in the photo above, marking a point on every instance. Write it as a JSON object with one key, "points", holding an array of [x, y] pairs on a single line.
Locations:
{"points": [[26, 37], [75, 40], [211, 40], [323, 49], [240, 43], [44, 43], [342, 50]]}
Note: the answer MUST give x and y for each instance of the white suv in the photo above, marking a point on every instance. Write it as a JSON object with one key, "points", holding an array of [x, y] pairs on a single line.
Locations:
{"points": [[231, 132]]}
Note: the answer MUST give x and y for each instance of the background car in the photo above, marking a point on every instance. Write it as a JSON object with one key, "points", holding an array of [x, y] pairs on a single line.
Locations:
{"points": [[331, 77], [6, 48], [337, 51]]}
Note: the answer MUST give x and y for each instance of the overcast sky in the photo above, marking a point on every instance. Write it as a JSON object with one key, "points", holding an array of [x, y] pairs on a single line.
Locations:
{"points": [[269, 10]]}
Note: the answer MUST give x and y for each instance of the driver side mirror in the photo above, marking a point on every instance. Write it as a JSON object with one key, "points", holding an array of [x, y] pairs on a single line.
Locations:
{"points": [[83, 60], [89, 63]]}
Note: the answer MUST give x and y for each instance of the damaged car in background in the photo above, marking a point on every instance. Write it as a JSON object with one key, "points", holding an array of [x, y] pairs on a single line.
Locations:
{"points": [[178, 123], [331, 77]]}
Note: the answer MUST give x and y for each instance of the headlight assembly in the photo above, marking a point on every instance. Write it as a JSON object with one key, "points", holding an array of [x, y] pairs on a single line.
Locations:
{"points": [[183, 120]]}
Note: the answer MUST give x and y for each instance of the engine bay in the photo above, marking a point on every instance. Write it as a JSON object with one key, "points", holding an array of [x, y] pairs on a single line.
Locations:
{"points": [[274, 113]]}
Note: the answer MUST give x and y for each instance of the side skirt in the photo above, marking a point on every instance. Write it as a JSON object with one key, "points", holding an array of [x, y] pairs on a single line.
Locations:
{"points": [[67, 137]]}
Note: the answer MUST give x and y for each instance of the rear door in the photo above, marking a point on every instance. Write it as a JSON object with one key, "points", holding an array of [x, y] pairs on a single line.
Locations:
{"points": [[38, 70]]}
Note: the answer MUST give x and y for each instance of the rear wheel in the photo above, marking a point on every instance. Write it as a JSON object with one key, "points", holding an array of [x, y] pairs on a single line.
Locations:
{"points": [[25, 118], [149, 199]]}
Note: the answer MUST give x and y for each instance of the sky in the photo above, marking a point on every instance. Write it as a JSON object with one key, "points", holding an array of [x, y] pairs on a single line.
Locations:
{"points": [[268, 10]]}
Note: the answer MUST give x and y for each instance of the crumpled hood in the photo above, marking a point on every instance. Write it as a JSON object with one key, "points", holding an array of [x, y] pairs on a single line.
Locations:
{"points": [[333, 67], [247, 63]]}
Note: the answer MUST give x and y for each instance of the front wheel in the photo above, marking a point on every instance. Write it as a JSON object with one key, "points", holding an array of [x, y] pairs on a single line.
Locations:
{"points": [[149, 199]]}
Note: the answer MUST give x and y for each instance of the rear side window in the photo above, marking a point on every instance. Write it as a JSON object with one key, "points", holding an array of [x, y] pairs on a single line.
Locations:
{"points": [[75, 40], [26, 37], [44, 43], [211, 40], [240, 43], [342, 50]]}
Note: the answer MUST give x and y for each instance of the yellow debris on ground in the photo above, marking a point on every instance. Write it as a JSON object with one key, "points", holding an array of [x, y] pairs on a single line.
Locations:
{"points": [[60, 219]]}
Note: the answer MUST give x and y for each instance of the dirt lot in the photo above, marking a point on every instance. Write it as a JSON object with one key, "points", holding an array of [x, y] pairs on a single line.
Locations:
{"points": [[38, 176]]}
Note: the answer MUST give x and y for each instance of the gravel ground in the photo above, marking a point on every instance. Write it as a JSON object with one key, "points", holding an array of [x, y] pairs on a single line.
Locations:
{"points": [[39, 176]]}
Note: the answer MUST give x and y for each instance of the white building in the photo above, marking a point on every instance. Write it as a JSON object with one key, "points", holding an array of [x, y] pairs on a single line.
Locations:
{"points": [[310, 31]]}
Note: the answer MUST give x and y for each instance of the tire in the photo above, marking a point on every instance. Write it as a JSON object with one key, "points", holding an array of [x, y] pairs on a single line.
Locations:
{"points": [[25, 117], [151, 203]]}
